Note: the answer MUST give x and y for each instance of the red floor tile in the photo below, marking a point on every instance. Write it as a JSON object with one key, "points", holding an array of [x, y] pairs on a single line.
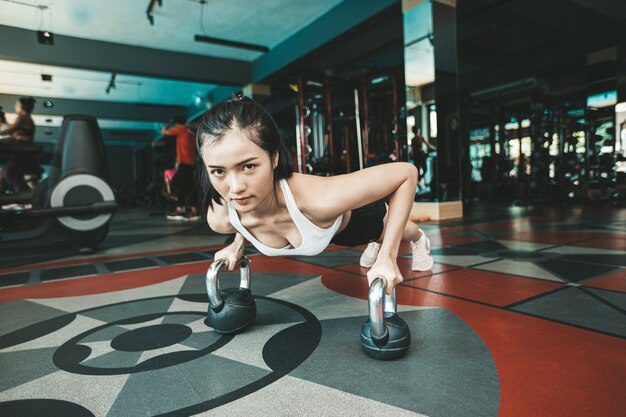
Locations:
{"points": [[604, 242], [106, 258], [102, 283], [615, 281], [487, 287], [140, 278], [437, 240], [513, 226], [405, 267], [545, 369], [555, 238]]}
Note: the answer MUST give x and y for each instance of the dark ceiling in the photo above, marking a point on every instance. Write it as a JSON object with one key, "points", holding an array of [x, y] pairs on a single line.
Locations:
{"points": [[502, 41], [499, 42]]}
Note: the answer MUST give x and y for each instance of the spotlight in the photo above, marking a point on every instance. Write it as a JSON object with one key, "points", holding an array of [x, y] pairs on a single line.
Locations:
{"points": [[111, 85], [45, 37], [150, 10], [46, 77]]}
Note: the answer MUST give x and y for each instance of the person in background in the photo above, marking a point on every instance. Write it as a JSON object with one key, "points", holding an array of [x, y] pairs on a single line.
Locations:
{"points": [[420, 157], [184, 181], [3, 125], [3, 120], [21, 131]]}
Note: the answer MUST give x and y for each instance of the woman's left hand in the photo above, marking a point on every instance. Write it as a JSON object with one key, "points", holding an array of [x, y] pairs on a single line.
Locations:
{"points": [[386, 268]]}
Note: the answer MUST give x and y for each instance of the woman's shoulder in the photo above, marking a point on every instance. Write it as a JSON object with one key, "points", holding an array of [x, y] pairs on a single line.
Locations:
{"points": [[305, 184], [309, 192]]}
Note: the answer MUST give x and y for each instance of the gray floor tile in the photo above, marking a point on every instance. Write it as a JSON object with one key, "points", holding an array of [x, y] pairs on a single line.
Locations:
{"points": [[576, 307], [456, 374], [616, 298], [526, 269]]}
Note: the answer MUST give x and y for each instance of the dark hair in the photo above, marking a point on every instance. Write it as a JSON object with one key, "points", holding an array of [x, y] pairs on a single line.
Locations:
{"points": [[28, 104], [242, 113], [179, 120], [3, 117]]}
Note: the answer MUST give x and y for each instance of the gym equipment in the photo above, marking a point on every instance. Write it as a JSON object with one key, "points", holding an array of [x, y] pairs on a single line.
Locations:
{"points": [[357, 120], [231, 310], [14, 147], [75, 203], [384, 335]]}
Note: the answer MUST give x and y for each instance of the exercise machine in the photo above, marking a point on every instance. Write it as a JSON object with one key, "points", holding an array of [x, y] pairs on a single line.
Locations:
{"points": [[74, 204]]}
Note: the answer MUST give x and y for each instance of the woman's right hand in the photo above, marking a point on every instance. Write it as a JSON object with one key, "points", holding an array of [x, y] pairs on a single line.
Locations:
{"points": [[232, 254]]}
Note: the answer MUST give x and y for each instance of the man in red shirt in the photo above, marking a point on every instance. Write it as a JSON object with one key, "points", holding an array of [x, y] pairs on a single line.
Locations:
{"points": [[184, 181]]}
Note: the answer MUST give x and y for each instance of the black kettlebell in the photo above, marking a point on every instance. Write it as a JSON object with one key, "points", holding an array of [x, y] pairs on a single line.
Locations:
{"points": [[384, 335], [231, 310]]}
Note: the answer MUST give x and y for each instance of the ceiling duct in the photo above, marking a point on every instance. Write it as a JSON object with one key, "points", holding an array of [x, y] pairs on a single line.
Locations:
{"points": [[232, 44], [527, 85]]}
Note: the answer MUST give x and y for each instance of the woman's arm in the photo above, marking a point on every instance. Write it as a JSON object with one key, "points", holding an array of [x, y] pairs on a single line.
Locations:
{"points": [[397, 181], [233, 252], [329, 197], [217, 218], [14, 127], [165, 130], [400, 204]]}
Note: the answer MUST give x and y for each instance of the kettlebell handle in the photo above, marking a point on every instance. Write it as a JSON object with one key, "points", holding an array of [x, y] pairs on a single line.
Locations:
{"points": [[213, 283], [377, 310]]}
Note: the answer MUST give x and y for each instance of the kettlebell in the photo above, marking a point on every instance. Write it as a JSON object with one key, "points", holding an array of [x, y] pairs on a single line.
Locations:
{"points": [[384, 335], [231, 310]]}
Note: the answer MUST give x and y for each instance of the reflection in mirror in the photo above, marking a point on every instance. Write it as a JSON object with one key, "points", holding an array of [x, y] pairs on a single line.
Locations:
{"points": [[419, 67]]}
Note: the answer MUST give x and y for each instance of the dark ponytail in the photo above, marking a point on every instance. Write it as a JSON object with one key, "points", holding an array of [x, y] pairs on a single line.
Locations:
{"points": [[28, 104]]}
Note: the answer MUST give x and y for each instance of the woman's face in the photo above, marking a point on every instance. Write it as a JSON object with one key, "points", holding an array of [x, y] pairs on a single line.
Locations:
{"points": [[18, 106], [240, 170]]}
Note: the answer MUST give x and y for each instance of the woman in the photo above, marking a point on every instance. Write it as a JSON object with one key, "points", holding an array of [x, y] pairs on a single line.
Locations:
{"points": [[250, 190], [420, 157], [21, 131], [3, 120]]}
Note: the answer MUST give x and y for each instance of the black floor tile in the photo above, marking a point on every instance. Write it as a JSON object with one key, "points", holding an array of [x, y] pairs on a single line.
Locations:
{"points": [[456, 251], [129, 264], [68, 272], [619, 260], [574, 271], [180, 258], [334, 258], [14, 279], [483, 245]]}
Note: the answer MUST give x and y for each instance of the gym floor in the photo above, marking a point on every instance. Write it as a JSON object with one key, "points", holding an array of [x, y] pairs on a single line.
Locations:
{"points": [[523, 314]]}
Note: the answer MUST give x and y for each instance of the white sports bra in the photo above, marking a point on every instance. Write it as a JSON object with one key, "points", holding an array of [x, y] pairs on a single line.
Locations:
{"points": [[314, 238]]}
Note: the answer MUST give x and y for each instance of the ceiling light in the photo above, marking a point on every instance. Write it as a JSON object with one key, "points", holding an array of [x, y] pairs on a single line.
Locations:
{"points": [[232, 44], [45, 37], [111, 85], [151, 6]]}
